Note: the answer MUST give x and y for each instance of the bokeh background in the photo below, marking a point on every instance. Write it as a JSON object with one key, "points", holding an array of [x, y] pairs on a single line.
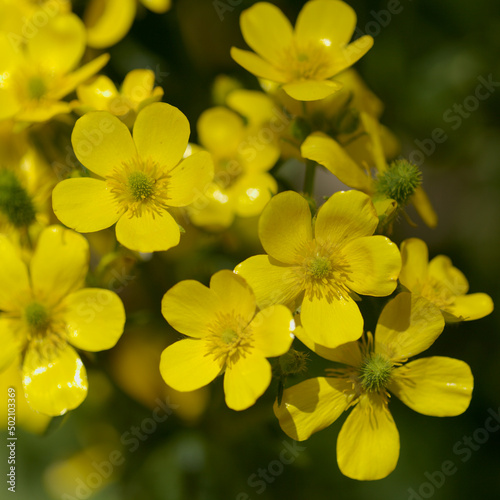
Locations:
{"points": [[428, 58]]}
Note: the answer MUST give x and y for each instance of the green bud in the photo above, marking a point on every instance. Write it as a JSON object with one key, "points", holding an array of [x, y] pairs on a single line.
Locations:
{"points": [[15, 202], [399, 182]]}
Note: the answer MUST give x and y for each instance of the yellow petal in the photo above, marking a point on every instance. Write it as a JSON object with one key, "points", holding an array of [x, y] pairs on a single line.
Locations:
{"points": [[331, 321], [59, 45], [94, 319], [311, 90], [436, 386], [415, 259], [374, 265], [54, 378], [9, 103], [246, 380], [85, 204], [220, 131], [190, 307], [329, 23], [345, 216], [348, 353], [443, 271], [408, 325], [14, 281], [214, 209], [161, 132], [158, 6], [424, 208], [252, 193], [44, 111], [271, 282], [272, 330], [311, 406], [138, 85], [187, 365], [59, 265], [257, 66], [108, 21], [12, 341], [285, 227], [102, 142], [372, 128], [267, 31], [469, 307], [368, 443], [256, 107], [189, 179], [97, 93], [329, 153], [149, 232], [235, 296], [353, 52]]}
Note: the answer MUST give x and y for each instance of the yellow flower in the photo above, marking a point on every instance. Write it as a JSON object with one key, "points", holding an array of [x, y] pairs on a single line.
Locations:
{"points": [[319, 268], [108, 21], [241, 184], [441, 283], [142, 177], [305, 59], [137, 91], [227, 336], [368, 443], [45, 311], [352, 165], [37, 74]]}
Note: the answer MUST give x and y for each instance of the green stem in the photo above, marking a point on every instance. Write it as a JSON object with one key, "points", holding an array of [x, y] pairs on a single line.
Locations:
{"points": [[309, 178]]}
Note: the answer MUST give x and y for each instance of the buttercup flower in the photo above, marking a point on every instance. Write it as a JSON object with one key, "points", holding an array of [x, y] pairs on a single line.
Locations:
{"points": [[228, 336], [141, 177], [108, 21], [368, 443], [136, 92], [241, 184], [46, 312], [441, 283], [38, 73], [319, 268], [305, 59]]}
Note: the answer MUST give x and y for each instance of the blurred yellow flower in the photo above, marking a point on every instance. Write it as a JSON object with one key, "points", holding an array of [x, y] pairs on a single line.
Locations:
{"points": [[368, 443], [242, 185], [319, 268], [228, 336], [141, 177], [37, 74], [136, 92], [441, 283], [305, 59], [45, 311], [108, 21]]}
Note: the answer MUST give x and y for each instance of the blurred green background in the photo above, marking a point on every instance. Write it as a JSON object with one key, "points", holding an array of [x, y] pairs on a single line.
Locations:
{"points": [[426, 60]]}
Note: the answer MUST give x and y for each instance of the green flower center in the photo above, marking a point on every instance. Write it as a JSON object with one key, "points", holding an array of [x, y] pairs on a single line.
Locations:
{"points": [[36, 316], [228, 336], [15, 202], [36, 87], [375, 372], [141, 185], [319, 267], [399, 182]]}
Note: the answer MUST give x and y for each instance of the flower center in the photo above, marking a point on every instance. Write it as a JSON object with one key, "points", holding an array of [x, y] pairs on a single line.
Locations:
{"points": [[36, 87], [309, 62], [375, 372], [229, 338], [437, 293], [36, 316], [15, 202], [319, 267], [141, 185]]}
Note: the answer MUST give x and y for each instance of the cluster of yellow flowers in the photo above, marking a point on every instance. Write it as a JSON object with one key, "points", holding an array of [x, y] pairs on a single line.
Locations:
{"points": [[141, 173]]}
